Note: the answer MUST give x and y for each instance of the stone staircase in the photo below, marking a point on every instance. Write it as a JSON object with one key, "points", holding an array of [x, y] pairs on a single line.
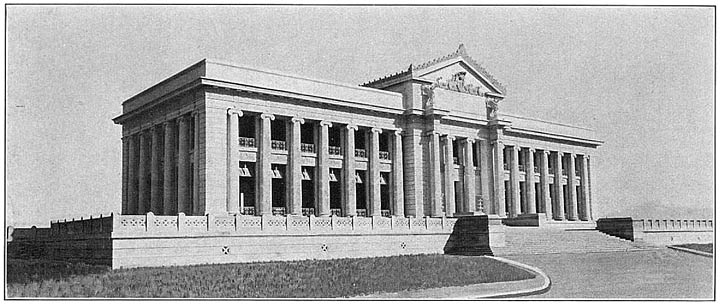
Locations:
{"points": [[548, 240]]}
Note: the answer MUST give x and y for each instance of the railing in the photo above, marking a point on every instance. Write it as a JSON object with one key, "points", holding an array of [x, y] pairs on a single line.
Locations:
{"points": [[278, 211], [277, 145], [536, 169], [335, 150], [577, 173], [384, 155], [505, 166], [385, 213], [307, 148], [564, 172], [456, 160], [248, 211], [336, 212], [308, 211], [521, 167], [360, 153], [361, 212], [246, 142], [551, 171]]}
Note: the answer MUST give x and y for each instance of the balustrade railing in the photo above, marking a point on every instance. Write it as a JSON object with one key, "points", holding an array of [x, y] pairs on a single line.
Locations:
{"points": [[336, 212], [278, 211], [384, 155], [536, 169], [521, 167], [385, 213], [360, 153], [246, 142], [564, 172], [335, 150], [577, 173], [456, 160], [277, 145], [307, 148], [308, 211], [505, 166], [248, 211], [361, 212]]}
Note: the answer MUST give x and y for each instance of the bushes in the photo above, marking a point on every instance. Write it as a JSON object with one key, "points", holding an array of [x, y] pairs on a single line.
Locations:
{"points": [[300, 279]]}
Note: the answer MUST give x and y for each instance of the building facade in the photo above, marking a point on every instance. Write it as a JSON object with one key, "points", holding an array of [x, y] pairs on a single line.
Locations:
{"points": [[222, 139]]}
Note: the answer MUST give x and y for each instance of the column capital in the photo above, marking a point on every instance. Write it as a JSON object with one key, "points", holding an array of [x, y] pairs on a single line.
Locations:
{"points": [[470, 140], [531, 149], [326, 123], [376, 130], [183, 117], [546, 152], [572, 155], [351, 126], [234, 110], [433, 133], [560, 153], [267, 116], [297, 119], [516, 147], [398, 132], [449, 137]]}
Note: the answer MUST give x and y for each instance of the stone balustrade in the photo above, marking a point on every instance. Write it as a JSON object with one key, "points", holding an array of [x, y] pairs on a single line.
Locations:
{"points": [[674, 224], [241, 224]]}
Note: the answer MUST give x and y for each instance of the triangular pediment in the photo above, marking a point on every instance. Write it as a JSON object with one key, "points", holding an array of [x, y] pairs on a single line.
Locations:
{"points": [[447, 71]]}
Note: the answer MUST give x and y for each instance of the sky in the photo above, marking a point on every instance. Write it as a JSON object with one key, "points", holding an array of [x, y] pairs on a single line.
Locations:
{"points": [[642, 77]]}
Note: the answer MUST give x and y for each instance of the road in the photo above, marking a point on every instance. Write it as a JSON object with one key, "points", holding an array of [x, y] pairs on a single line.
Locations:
{"points": [[652, 274]]}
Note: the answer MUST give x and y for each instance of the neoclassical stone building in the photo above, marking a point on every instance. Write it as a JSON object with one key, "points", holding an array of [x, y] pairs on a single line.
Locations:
{"points": [[223, 139]]}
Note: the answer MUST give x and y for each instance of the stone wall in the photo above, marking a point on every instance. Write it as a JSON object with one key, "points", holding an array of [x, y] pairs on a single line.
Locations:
{"points": [[124, 241], [658, 231]]}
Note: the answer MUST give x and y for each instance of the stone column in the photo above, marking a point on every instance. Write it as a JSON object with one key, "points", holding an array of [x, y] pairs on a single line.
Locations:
{"points": [[435, 190], [585, 190], [143, 181], [156, 186], [184, 191], [374, 171], [170, 170], [499, 178], [559, 207], [348, 180], [514, 182], [398, 198], [449, 177], [530, 181], [198, 207], [125, 169], [572, 205], [545, 184], [485, 168], [469, 181], [294, 172], [263, 204], [232, 205], [323, 163], [132, 204]]}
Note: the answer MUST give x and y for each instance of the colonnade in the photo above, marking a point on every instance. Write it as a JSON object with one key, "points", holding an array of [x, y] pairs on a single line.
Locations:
{"points": [[322, 154], [159, 172]]}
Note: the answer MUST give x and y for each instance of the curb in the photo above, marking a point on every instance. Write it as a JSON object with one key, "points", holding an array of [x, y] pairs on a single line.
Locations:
{"points": [[545, 287], [538, 285], [696, 252]]}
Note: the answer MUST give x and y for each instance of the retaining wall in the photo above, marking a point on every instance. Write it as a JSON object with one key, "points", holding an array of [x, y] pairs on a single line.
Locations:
{"points": [[149, 240], [659, 231]]}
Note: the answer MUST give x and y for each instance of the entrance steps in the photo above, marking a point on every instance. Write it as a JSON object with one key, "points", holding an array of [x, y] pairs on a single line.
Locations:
{"points": [[548, 240]]}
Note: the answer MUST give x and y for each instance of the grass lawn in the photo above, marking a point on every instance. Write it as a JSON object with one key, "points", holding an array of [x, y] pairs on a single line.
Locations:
{"points": [[300, 279], [699, 247]]}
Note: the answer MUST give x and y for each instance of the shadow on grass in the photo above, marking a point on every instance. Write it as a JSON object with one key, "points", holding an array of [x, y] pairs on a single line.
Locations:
{"points": [[23, 271], [707, 248]]}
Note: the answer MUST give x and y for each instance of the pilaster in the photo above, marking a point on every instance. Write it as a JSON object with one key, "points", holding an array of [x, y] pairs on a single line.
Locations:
{"points": [[499, 178], [485, 173]]}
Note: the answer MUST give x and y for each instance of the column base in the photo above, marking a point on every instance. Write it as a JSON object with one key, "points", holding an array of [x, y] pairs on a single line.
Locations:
{"points": [[462, 214]]}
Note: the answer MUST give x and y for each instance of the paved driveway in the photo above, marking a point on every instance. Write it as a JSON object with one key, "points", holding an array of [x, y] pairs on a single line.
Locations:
{"points": [[653, 274]]}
